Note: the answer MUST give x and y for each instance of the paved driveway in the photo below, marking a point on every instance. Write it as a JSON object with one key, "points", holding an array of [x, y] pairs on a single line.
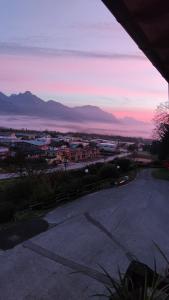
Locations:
{"points": [[107, 228]]}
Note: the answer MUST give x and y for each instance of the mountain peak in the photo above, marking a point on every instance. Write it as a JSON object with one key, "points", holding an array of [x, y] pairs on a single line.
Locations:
{"points": [[28, 93], [30, 105], [3, 97], [1, 94]]}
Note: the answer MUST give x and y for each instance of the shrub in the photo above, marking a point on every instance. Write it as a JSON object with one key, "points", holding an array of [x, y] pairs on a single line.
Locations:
{"points": [[108, 171], [157, 164], [6, 211], [94, 169], [77, 173], [125, 164], [89, 179], [42, 189], [18, 191]]}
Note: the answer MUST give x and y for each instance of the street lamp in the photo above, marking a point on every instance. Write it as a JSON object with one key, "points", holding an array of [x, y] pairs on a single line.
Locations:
{"points": [[86, 171], [65, 163]]}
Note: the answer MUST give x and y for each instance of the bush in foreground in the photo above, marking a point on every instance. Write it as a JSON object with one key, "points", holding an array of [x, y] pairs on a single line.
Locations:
{"points": [[124, 164], [7, 210], [108, 171]]}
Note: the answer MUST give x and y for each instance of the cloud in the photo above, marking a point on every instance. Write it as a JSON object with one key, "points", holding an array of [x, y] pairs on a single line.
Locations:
{"points": [[17, 49], [97, 26]]}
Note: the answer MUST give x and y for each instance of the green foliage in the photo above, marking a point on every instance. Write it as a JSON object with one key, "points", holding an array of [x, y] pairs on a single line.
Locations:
{"points": [[6, 211], [132, 147], [164, 144], [124, 288], [94, 169], [18, 191], [76, 173], [108, 171], [139, 282], [71, 186], [161, 174], [89, 179], [42, 190], [155, 146], [124, 164], [157, 164], [162, 130]]}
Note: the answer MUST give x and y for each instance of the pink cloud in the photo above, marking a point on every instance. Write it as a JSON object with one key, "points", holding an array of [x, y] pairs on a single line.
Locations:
{"points": [[139, 114], [136, 80]]}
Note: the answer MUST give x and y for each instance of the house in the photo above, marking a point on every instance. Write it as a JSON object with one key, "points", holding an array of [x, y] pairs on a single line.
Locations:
{"points": [[77, 154], [32, 148], [80, 144], [37, 144], [108, 147], [7, 137], [35, 154], [25, 136], [4, 152]]}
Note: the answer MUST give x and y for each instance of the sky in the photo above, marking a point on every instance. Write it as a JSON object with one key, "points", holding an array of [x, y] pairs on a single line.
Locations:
{"points": [[75, 52]]}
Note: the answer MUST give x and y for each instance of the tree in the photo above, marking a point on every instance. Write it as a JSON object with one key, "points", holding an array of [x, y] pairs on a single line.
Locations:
{"points": [[161, 120], [132, 148], [108, 171], [155, 147], [161, 132], [124, 164], [19, 162]]}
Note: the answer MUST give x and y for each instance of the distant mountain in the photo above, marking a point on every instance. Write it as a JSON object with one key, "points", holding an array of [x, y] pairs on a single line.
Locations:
{"points": [[30, 105], [27, 104], [5, 105], [132, 121], [94, 113]]}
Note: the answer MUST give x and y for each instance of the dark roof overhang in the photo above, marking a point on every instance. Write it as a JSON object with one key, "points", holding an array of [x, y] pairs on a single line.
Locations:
{"points": [[147, 22]]}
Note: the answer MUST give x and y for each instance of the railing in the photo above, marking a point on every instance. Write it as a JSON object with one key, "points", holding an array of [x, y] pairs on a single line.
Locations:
{"points": [[68, 196]]}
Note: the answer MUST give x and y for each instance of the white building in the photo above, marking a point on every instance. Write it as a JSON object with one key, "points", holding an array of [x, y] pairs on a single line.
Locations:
{"points": [[108, 147]]}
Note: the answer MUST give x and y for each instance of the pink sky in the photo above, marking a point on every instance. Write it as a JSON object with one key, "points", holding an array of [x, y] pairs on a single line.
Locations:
{"points": [[76, 54], [80, 81]]}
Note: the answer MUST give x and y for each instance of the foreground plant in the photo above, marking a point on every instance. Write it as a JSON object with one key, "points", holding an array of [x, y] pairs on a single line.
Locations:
{"points": [[138, 283]]}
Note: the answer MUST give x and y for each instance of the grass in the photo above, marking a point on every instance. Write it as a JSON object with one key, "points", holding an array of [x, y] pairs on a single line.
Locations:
{"points": [[7, 170], [161, 173], [4, 183], [28, 214]]}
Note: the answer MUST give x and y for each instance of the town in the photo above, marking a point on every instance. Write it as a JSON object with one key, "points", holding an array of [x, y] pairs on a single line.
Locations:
{"points": [[56, 149]]}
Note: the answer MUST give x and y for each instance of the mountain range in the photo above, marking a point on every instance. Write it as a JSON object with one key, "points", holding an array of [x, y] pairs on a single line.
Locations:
{"points": [[28, 104]]}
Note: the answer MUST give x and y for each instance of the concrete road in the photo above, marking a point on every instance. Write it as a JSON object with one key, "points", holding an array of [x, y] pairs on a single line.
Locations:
{"points": [[107, 228]]}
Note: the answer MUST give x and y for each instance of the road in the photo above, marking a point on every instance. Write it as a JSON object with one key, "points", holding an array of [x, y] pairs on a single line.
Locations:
{"points": [[107, 228], [70, 166]]}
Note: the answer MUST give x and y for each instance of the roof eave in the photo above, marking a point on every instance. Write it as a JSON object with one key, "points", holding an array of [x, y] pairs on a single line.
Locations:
{"points": [[124, 17]]}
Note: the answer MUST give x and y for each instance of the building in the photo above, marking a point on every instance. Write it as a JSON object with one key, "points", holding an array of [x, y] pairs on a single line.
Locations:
{"points": [[4, 152], [31, 148], [108, 147], [7, 137], [25, 135], [37, 144], [77, 154]]}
